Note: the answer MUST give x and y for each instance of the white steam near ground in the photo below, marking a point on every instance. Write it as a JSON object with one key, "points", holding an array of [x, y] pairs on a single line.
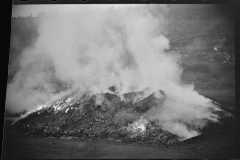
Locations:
{"points": [[92, 50]]}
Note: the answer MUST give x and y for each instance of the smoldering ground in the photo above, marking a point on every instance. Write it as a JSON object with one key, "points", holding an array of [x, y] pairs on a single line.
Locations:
{"points": [[95, 49]]}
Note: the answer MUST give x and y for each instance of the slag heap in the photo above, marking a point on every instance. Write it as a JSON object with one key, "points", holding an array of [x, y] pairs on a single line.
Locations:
{"points": [[125, 118], [105, 116]]}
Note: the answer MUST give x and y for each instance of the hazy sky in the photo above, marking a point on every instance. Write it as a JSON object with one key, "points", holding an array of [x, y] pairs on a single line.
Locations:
{"points": [[26, 10]]}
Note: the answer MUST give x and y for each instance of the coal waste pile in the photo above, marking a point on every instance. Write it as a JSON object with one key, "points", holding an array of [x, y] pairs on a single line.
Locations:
{"points": [[113, 119], [105, 116]]}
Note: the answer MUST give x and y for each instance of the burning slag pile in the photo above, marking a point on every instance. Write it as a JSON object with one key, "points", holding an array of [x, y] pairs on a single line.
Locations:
{"points": [[78, 57], [108, 116]]}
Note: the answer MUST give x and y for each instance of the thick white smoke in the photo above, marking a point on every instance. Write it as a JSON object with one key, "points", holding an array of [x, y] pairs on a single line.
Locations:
{"points": [[92, 50]]}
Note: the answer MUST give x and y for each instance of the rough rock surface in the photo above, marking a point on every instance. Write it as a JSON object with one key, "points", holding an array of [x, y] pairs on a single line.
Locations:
{"points": [[102, 116]]}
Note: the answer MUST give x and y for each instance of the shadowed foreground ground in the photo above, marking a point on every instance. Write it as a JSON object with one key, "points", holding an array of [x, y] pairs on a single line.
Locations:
{"points": [[20, 147]]}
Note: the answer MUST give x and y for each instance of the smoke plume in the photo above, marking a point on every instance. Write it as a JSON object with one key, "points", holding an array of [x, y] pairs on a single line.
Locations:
{"points": [[94, 49]]}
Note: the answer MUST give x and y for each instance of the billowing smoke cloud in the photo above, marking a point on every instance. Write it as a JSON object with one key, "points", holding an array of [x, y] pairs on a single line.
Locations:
{"points": [[92, 50]]}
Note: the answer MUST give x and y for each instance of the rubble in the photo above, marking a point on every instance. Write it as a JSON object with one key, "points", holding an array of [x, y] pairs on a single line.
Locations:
{"points": [[88, 120], [91, 121]]}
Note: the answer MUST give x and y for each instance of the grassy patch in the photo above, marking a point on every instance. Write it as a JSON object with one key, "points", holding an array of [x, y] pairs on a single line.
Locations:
{"points": [[212, 79], [225, 97]]}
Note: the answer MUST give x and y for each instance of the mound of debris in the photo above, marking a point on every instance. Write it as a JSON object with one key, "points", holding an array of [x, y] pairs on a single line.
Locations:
{"points": [[102, 116]]}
